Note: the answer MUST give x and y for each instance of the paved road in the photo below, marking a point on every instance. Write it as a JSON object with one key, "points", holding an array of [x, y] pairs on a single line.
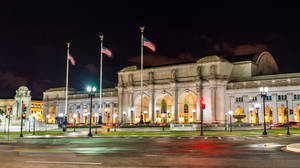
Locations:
{"points": [[246, 151]]}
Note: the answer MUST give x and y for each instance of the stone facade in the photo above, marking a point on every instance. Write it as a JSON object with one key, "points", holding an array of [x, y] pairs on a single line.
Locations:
{"points": [[172, 93]]}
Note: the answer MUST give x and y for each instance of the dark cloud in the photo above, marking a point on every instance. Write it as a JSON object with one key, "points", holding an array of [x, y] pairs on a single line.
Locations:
{"points": [[10, 79], [155, 60], [91, 68], [249, 49]]}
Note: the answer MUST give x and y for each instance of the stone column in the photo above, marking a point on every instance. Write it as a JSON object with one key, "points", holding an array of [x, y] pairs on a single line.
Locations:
{"points": [[274, 108], [175, 102], [290, 105], [131, 104], [111, 111], [152, 105], [120, 100], [199, 95], [213, 99], [245, 107], [261, 110]]}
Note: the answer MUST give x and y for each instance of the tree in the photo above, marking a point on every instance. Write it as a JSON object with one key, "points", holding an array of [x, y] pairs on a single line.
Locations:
{"points": [[2, 112], [163, 106]]}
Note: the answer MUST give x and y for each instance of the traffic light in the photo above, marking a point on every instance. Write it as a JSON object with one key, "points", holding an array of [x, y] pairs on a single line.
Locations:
{"points": [[24, 107], [23, 115], [202, 102]]}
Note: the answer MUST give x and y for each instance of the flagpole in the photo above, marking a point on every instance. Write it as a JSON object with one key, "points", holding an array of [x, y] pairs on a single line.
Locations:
{"points": [[67, 83], [142, 60], [101, 57], [67, 78]]}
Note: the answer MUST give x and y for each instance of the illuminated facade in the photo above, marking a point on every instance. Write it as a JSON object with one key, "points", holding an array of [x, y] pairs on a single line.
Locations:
{"points": [[36, 110], [172, 93]]}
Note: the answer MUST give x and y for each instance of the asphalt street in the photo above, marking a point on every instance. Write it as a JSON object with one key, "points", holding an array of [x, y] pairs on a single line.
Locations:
{"points": [[214, 152]]}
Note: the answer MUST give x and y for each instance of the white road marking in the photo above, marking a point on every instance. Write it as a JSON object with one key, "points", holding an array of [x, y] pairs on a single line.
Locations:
{"points": [[72, 163]]}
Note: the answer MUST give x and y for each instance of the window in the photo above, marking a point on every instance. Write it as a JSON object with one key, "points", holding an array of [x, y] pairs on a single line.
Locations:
{"points": [[252, 98], [163, 106], [186, 106], [268, 98], [297, 97], [115, 104], [281, 97], [78, 107], [239, 99]]}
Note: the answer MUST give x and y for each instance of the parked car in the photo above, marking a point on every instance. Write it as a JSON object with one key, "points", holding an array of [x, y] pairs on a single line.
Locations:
{"points": [[278, 125]]}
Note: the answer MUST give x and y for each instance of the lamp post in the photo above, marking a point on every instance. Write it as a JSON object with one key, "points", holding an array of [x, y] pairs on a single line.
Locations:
{"points": [[131, 115], [91, 90], [74, 121], [230, 119], [96, 116], [115, 118], [157, 110], [33, 115], [287, 117], [263, 93], [145, 114], [124, 117]]}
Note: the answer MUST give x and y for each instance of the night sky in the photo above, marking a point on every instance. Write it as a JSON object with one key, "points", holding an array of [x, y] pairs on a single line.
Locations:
{"points": [[33, 37]]}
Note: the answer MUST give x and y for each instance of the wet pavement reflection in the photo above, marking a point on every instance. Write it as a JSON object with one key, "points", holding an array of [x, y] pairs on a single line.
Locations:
{"points": [[244, 151]]}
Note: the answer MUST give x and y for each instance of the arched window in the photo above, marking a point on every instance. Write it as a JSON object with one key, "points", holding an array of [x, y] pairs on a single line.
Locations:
{"points": [[163, 106], [186, 106]]}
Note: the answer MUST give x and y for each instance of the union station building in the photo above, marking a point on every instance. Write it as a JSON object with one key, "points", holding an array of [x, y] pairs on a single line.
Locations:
{"points": [[171, 93]]}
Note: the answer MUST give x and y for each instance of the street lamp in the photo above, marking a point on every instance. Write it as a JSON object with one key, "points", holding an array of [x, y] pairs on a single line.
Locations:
{"points": [[91, 90], [131, 115], [157, 110], [145, 113], [230, 112], [115, 118], [34, 115], [124, 117], [263, 93], [74, 120]]}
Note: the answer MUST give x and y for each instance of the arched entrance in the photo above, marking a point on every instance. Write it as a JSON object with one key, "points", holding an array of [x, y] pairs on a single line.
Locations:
{"points": [[269, 114], [187, 108], [145, 109], [282, 115], [71, 118], [163, 108], [297, 114], [253, 116], [52, 113]]}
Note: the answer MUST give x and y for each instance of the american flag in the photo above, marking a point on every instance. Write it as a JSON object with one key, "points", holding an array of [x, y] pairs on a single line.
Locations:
{"points": [[71, 59], [149, 44], [106, 51]]}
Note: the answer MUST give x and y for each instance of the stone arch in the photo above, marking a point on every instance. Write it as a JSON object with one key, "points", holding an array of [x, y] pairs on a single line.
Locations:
{"points": [[282, 114], [253, 116], [269, 114], [71, 118], [187, 107], [145, 109], [297, 114], [52, 113], [164, 116], [266, 64]]}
